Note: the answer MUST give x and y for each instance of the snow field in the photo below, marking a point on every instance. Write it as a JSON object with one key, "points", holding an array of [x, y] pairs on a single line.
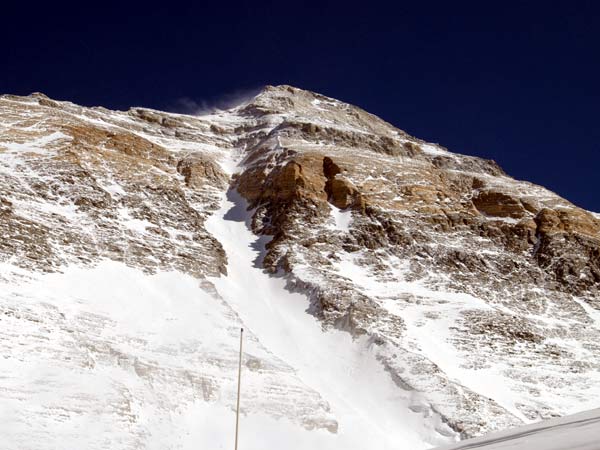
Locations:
{"points": [[371, 410]]}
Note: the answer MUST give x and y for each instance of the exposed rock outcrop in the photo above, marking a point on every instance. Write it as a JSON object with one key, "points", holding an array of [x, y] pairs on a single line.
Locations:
{"points": [[499, 204], [422, 216]]}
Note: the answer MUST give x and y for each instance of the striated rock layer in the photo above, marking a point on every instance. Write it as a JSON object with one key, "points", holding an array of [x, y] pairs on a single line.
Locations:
{"points": [[478, 292]]}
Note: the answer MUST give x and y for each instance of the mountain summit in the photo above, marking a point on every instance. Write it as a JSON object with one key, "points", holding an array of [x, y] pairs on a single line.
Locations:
{"points": [[396, 294]]}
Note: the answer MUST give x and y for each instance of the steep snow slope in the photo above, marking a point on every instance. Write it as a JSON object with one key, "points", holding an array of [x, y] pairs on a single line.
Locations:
{"points": [[370, 409], [410, 295], [111, 357], [148, 361], [576, 432]]}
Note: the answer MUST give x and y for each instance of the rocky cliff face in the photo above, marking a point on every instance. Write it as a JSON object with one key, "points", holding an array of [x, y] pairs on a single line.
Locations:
{"points": [[477, 291], [524, 261]]}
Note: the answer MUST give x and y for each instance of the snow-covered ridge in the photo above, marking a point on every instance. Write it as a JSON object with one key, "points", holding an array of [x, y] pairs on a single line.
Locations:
{"points": [[578, 431]]}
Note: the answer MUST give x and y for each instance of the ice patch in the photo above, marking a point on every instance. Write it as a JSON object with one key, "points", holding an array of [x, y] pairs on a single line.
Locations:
{"points": [[113, 189], [341, 217], [592, 312], [12, 154], [137, 225]]}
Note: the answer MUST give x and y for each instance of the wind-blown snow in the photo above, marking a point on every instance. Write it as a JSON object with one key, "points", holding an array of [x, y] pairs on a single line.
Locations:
{"points": [[435, 150]]}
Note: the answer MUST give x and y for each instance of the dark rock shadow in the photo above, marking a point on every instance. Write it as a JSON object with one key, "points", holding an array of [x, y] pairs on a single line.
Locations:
{"points": [[240, 213]]}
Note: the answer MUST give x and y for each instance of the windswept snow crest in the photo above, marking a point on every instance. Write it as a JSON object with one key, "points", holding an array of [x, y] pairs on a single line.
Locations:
{"points": [[578, 431]]}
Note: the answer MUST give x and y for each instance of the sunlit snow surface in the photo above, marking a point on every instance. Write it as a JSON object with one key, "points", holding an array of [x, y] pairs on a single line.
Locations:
{"points": [[341, 218], [111, 357], [371, 410], [576, 432]]}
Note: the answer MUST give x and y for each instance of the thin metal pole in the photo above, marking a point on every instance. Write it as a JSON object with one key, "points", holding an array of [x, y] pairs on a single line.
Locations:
{"points": [[237, 412]]}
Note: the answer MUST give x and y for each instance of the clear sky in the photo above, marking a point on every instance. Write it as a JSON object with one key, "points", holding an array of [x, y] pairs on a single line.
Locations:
{"points": [[517, 82]]}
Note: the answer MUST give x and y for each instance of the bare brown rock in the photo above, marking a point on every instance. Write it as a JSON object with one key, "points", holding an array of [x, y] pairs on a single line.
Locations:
{"points": [[199, 172], [498, 204], [340, 191]]}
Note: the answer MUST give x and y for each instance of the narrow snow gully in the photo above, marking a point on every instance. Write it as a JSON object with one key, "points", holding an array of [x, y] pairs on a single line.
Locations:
{"points": [[371, 410]]}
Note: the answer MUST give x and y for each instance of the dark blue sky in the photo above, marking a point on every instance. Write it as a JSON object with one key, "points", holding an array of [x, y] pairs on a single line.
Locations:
{"points": [[517, 82]]}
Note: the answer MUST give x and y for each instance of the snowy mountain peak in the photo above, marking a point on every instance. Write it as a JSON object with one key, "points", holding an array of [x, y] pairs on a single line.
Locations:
{"points": [[395, 294]]}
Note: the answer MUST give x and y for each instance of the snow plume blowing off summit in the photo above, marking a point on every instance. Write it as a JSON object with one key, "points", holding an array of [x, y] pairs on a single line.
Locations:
{"points": [[393, 295], [187, 105]]}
